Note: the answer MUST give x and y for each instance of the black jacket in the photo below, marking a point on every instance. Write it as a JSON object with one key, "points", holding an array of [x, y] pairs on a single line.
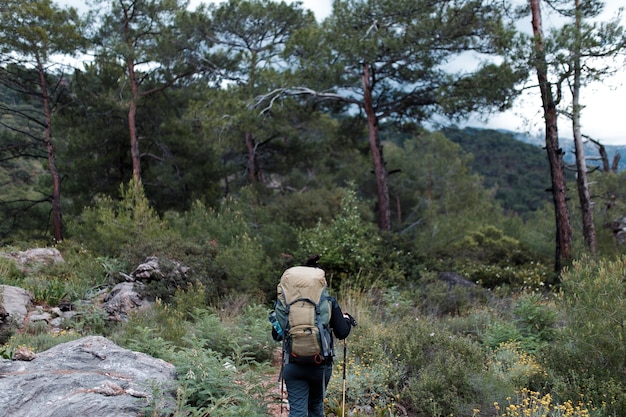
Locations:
{"points": [[341, 325]]}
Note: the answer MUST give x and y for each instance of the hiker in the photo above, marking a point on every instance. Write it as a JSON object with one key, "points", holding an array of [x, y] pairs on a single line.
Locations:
{"points": [[307, 345]]}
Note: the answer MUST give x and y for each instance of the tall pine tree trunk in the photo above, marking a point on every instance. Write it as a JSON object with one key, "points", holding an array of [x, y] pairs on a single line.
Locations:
{"points": [[380, 171], [555, 154], [132, 121], [589, 231], [57, 219]]}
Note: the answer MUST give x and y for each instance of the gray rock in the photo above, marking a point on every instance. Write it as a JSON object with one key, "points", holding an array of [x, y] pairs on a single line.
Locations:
{"points": [[40, 317], [154, 269], [15, 301], [91, 377], [149, 270], [33, 259], [123, 299]]}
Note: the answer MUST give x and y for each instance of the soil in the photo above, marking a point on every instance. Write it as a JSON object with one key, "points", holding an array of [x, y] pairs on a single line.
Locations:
{"points": [[276, 394]]}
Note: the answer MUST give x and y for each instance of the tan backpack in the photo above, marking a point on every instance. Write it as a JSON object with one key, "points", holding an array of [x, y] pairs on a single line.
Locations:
{"points": [[303, 309]]}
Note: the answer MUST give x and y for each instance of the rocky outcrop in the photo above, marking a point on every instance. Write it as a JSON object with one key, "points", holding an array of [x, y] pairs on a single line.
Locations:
{"points": [[91, 377], [124, 298], [35, 258], [154, 269], [15, 303]]}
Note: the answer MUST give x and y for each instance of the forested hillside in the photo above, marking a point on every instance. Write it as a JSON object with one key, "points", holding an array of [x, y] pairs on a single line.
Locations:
{"points": [[516, 171]]}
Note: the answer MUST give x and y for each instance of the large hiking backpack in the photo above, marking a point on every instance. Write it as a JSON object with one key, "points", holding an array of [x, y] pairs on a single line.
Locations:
{"points": [[303, 308]]}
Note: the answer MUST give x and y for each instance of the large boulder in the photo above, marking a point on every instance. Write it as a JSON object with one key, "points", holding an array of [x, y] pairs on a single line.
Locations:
{"points": [[33, 259], [91, 377], [125, 298], [14, 304], [155, 269]]}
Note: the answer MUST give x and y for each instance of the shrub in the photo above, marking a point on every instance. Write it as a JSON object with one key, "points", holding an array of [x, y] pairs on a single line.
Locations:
{"points": [[588, 351], [245, 339], [9, 272], [210, 385], [594, 306], [348, 244], [372, 374], [228, 249], [114, 228]]}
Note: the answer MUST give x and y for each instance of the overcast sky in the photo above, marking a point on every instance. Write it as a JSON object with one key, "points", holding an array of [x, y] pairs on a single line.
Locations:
{"points": [[601, 118]]}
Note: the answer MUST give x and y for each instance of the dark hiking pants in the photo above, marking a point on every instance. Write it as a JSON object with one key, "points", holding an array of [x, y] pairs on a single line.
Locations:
{"points": [[306, 386]]}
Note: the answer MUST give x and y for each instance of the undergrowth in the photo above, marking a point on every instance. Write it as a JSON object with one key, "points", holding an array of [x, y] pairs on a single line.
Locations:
{"points": [[522, 355]]}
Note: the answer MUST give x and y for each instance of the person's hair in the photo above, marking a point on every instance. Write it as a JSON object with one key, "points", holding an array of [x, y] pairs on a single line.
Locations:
{"points": [[313, 261]]}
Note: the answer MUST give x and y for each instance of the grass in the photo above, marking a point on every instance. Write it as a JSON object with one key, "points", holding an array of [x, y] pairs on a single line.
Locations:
{"points": [[511, 356]]}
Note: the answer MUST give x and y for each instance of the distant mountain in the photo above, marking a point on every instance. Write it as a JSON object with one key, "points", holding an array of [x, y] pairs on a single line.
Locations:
{"points": [[515, 165], [567, 144], [518, 172]]}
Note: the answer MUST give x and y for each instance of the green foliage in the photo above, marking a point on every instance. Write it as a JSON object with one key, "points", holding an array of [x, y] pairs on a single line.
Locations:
{"points": [[517, 172], [245, 339], [439, 366], [233, 254], [441, 200], [49, 292], [36, 338], [537, 318], [89, 320], [491, 246], [372, 375], [209, 385], [210, 351], [347, 244], [19, 218], [609, 190], [510, 364], [243, 335], [500, 331], [586, 352], [153, 331], [116, 228], [9, 272], [595, 307]]}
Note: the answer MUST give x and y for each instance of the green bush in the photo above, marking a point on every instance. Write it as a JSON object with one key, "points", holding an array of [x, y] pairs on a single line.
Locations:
{"points": [[228, 249], [588, 354], [9, 272], [245, 339], [115, 228], [536, 317], [347, 245], [372, 376], [211, 385], [440, 368], [594, 307]]}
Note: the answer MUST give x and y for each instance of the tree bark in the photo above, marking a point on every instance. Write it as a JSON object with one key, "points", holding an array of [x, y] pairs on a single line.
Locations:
{"points": [[563, 253], [380, 171], [57, 218], [134, 98], [254, 172], [589, 231]]}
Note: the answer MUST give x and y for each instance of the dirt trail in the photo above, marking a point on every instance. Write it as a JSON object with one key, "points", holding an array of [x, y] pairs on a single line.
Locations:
{"points": [[276, 402]]}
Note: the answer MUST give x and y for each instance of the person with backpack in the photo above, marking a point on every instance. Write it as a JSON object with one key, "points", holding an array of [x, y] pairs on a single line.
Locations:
{"points": [[305, 318]]}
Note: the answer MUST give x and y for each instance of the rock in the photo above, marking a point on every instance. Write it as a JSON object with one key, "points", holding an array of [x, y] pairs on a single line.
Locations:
{"points": [[40, 317], [452, 278], [123, 299], [15, 302], [153, 269], [91, 377], [149, 270], [24, 354], [33, 259]]}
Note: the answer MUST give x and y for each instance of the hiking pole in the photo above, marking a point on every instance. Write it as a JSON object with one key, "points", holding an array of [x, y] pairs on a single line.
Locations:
{"points": [[343, 394]]}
